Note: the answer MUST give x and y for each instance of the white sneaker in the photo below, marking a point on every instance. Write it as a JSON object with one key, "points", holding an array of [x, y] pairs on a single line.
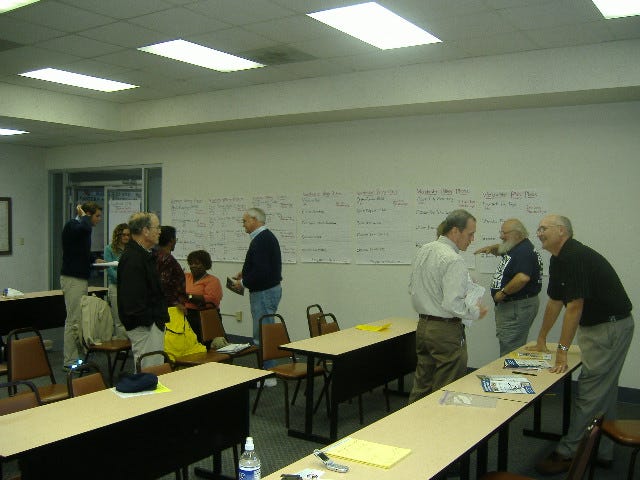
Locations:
{"points": [[270, 382]]}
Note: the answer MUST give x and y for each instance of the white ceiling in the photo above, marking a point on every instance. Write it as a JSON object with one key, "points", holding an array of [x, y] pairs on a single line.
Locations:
{"points": [[100, 37]]}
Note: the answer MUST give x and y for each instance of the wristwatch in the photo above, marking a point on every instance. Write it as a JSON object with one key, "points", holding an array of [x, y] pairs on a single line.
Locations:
{"points": [[562, 347]]}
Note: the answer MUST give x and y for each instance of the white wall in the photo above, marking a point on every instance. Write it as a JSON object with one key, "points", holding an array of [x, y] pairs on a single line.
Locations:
{"points": [[23, 177], [584, 157]]}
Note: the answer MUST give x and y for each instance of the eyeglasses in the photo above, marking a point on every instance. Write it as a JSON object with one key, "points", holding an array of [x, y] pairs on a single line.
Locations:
{"points": [[152, 227], [543, 228], [506, 233]]}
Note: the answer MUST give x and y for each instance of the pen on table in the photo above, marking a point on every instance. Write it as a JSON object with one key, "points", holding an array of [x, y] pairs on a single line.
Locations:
{"points": [[525, 373]]}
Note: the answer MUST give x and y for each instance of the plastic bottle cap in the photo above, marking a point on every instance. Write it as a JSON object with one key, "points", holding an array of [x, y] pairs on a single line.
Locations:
{"points": [[249, 444]]}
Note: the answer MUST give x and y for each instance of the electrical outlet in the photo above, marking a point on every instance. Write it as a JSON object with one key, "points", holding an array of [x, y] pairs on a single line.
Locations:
{"points": [[239, 316]]}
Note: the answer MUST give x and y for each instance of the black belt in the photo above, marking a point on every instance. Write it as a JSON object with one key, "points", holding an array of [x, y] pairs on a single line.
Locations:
{"points": [[519, 297], [439, 319]]}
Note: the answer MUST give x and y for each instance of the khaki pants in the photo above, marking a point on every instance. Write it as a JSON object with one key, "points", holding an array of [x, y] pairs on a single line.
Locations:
{"points": [[441, 348], [73, 289]]}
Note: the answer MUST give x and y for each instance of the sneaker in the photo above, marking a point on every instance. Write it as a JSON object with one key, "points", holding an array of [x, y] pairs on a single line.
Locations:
{"points": [[553, 464], [270, 382]]}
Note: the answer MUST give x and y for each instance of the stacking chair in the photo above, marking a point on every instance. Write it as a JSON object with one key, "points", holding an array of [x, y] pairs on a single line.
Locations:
{"points": [[272, 335], [313, 313], [85, 378], [212, 327], [166, 367], [582, 461], [28, 360], [96, 330], [18, 402], [627, 433]]}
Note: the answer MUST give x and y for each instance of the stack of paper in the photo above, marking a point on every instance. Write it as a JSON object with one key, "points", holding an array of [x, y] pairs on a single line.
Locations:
{"points": [[373, 328], [369, 453], [505, 384], [534, 355]]}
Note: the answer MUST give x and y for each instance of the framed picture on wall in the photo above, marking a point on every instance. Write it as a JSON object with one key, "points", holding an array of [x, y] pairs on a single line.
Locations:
{"points": [[5, 226]]}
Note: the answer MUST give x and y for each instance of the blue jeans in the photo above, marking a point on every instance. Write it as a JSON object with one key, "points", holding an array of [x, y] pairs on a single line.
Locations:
{"points": [[513, 321], [263, 303]]}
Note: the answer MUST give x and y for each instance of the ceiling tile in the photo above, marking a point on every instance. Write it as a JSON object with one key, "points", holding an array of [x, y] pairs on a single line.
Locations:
{"points": [[96, 69], [290, 29], [497, 44], [121, 9], [468, 26], [178, 22], [61, 17], [125, 34], [79, 46], [24, 59], [335, 46], [24, 32], [239, 13], [569, 35], [233, 40], [549, 15]]}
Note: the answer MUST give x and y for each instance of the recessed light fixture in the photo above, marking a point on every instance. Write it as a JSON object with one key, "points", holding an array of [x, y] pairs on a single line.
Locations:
{"points": [[77, 80], [374, 24], [202, 56], [618, 8], [6, 5], [9, 131]]}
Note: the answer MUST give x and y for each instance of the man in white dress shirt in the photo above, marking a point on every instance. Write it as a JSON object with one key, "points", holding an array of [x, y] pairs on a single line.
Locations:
{"points": [[441, 292]]}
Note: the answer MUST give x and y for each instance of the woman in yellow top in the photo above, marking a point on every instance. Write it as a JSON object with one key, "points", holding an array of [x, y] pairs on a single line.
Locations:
{"points": [[203, 289]]}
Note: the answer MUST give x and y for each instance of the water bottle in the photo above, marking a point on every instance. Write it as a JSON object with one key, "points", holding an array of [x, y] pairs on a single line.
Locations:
{"points": [[249, 465]]}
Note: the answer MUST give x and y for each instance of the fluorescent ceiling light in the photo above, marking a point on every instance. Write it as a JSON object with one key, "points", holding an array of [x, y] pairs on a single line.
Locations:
{"points": [[202, 56], [8, 131], [618, 8], [6, 5], [374, 24], [77, 80]]}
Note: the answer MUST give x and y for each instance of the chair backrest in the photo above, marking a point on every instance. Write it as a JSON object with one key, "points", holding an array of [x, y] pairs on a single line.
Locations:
{"points": [[211, 324], [85, 378], [27, 357], [160, 369], [272, 335], [327, 323], [313, 313], [21, 400], [586, 451]]}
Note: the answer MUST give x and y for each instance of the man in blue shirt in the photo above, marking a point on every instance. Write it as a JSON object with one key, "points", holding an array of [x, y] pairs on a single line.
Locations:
{"points": [[261, 272], [74, 275], [515, 286]]}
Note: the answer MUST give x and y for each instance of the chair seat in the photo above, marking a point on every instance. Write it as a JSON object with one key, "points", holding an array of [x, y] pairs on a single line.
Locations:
{"points": [[294, 371], [202, 357], [53, 393], [625, 432]]}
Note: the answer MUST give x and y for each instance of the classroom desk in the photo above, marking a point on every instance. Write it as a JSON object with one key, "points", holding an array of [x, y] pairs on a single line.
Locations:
{"points": [[40, 310], [437, 435], [542, 382], [361, 360], [103, 436]]}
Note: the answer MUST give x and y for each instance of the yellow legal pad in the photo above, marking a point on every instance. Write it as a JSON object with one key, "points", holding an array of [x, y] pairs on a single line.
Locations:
{"points": [[373, 328], [369, 453]]}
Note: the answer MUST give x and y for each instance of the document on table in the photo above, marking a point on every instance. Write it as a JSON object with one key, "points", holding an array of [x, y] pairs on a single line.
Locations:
{"points": [[369, 453], [527, 363], [373, 328], [505, 384], [468, 400], [534, 355]]}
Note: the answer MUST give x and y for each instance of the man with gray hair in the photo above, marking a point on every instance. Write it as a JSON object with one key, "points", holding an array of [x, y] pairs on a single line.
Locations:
{"points": [[261, 272], [598, 308], [142, 304], [515, 285], [446, 301]]}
